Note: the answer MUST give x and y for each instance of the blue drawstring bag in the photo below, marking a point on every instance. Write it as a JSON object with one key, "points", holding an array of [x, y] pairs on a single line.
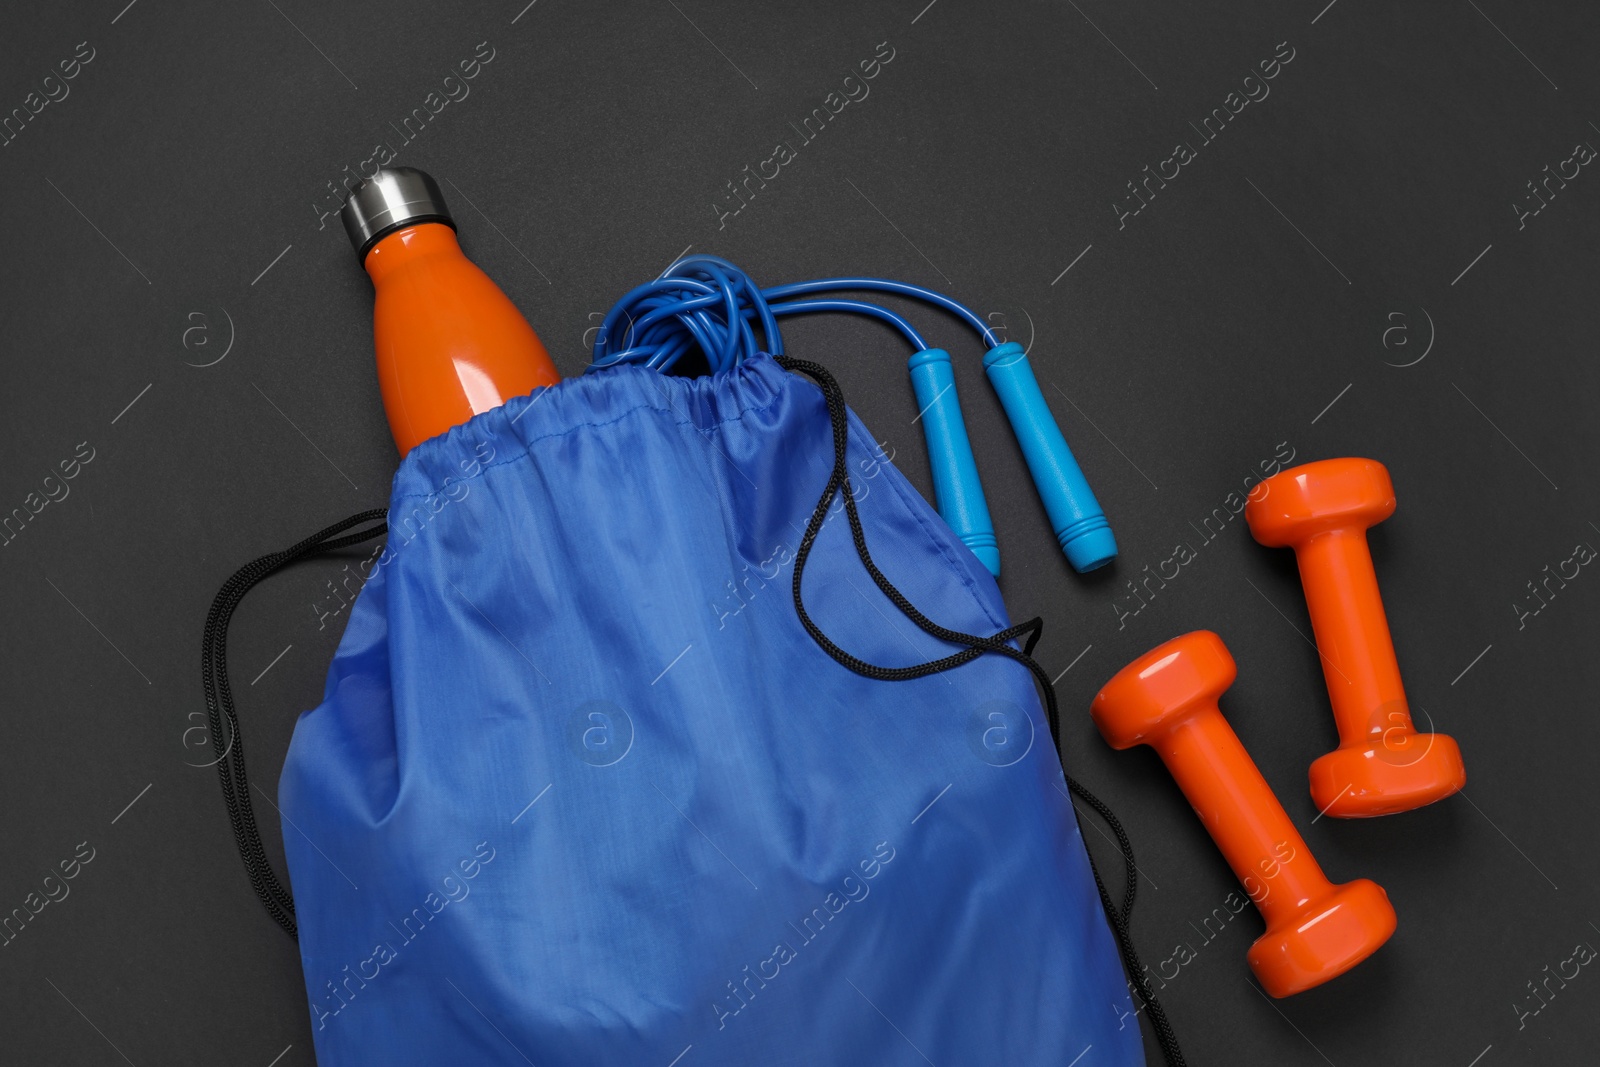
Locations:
{"points": [[635, 751]]}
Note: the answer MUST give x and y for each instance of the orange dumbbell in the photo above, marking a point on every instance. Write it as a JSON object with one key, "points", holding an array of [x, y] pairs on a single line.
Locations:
{"points": [[1382, 765], [1167, 699]]}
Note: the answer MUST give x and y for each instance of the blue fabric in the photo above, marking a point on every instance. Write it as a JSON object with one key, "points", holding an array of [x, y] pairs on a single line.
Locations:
{"points": [[581, 790]]}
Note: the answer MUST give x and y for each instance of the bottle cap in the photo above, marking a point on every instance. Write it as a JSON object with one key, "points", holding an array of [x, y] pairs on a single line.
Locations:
{"points": [[392, 198]]}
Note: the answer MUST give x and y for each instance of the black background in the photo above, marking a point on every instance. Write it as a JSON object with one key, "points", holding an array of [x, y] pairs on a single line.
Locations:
{"points": [[1253, 292]]}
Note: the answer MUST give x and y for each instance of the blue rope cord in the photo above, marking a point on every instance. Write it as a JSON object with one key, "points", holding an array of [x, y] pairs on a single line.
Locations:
{"points": [[705, 304]]}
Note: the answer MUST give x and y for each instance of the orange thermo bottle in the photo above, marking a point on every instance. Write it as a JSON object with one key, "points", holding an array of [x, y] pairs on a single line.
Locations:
{"points": [[450, 344]]}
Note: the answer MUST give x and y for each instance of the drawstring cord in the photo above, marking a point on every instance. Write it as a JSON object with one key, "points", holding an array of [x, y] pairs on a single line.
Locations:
{"points": [[976, 645], [229, 745]]}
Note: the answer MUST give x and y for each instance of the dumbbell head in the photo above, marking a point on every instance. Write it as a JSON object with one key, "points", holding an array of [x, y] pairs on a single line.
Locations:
{"points": [[1162, 688], [1331, 936], [1394, 771], [1330, 494]]}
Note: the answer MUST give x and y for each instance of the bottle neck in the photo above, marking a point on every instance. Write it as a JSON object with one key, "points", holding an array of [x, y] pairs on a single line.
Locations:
{"points": [[408, 245]]}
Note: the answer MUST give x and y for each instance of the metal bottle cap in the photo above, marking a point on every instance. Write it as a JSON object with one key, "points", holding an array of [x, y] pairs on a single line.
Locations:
{"points": [[394, 197]]}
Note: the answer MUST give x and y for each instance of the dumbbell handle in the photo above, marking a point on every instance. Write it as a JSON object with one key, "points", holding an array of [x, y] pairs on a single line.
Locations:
{"points": [[957, 492], [1080, 525], [1242, 814], [1352, 633]]}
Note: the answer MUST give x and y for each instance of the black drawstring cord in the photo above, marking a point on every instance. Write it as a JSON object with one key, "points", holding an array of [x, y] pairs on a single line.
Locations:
{"points": [[219, 703], [976, 645]]}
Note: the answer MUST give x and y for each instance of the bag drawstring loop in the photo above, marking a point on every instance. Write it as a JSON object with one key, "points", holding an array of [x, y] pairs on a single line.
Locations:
{"points": [[976, 645], [229, 746]]}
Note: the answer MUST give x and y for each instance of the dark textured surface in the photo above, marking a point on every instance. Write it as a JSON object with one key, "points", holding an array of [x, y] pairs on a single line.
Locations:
{"points": [[1246, 306]]}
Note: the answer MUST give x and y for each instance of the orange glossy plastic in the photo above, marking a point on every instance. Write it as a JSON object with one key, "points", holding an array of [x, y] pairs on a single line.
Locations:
{"points": [[450, 344], [1316, 930], [1382, 765]]}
